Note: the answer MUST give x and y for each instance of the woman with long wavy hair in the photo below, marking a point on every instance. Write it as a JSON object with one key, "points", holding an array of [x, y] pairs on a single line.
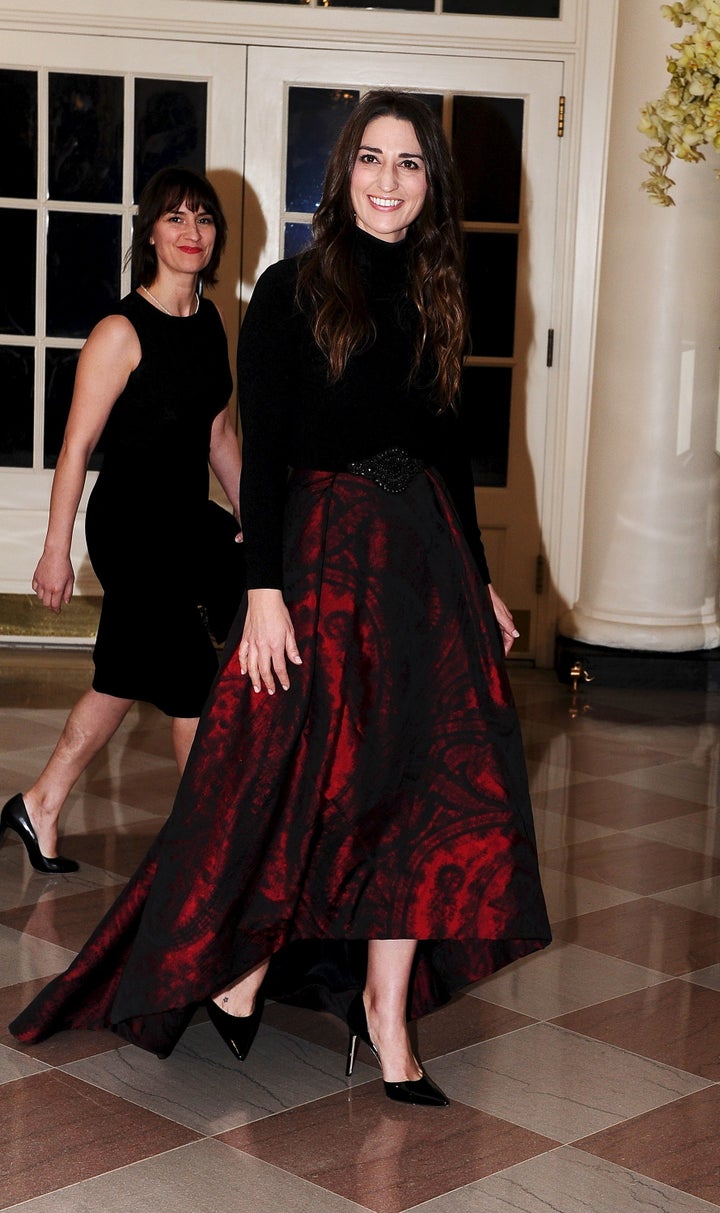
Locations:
{"points": [[361, 841]]}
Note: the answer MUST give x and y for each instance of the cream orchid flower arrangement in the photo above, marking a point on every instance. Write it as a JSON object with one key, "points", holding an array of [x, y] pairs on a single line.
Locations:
{"points": [[687, 116]]}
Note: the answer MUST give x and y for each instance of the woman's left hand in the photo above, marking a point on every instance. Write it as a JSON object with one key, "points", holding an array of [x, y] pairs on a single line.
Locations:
{"points": [[505, 620]]}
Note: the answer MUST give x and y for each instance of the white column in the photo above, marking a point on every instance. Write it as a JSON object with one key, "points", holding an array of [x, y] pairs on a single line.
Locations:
{"points": [[650, 569]]}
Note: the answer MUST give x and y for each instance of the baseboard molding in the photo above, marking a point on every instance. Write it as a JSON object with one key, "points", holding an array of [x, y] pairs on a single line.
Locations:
{"points": [[697, 671]]}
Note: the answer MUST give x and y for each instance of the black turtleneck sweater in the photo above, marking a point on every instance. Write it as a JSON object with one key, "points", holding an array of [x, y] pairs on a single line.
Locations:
{"points": [[293, 418]]}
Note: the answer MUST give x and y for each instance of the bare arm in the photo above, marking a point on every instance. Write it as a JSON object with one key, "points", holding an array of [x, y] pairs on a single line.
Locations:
{"points": [[225, 458], [109, 355]]}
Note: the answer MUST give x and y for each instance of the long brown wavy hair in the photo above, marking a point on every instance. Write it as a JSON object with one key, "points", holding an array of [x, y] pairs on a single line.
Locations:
{"points": [[329, 287]]}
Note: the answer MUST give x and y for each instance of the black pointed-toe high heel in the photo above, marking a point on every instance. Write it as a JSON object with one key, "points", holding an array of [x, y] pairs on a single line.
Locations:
{"points": [[421, 1090], [238, 1031], [15, 817]]}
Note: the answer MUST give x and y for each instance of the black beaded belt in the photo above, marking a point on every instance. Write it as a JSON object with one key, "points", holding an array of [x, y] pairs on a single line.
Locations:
{"points": [[391, 470]]}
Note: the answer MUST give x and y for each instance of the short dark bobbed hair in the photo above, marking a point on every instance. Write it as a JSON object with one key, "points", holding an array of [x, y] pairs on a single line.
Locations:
{"points": [[167, 190]]}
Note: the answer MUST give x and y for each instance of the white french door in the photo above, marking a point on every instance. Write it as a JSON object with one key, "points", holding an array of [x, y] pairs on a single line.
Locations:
{"points": [[502, 117], [105, 112]]}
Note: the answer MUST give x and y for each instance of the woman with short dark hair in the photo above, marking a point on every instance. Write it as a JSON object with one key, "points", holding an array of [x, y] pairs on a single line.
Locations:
{"points": [[153, 378]]}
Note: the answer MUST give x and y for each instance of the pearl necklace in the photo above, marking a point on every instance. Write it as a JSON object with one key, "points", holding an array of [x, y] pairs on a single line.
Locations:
{"points": [[165, 310]]}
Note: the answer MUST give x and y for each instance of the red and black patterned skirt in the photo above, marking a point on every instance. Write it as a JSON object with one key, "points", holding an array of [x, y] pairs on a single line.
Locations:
{"points": [[384, 796]]}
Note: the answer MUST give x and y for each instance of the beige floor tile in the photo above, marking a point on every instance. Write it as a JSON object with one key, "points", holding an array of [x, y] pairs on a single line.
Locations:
{"points": [[555, 830], [677, 1145], [703, 895], [568, 896], [681, 779], [23, 958], [21, 885], [640, 865], [557, 1083], [563, 976], [544, 776], [597, 754], [614, 805], [201, 1085], [62, 920], [567, 1181], [695, 831], [205, 1175], [709, 977], [14, 1065]]}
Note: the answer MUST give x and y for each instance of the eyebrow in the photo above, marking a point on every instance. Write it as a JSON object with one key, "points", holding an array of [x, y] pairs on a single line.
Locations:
{"points": [[366, 147]]}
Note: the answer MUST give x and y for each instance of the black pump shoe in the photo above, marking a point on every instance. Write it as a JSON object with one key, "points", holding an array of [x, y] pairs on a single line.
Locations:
{"points": [[421, 1090], [14, 817], [238, 1031]]}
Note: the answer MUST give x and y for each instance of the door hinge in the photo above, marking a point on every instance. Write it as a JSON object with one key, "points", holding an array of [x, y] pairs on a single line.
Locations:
{"points": [[540, 574], [550, 347], [561, 117]]}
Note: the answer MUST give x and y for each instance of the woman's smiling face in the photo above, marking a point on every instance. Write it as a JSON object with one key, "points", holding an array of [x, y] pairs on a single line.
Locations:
{"points": [[388, 183]]}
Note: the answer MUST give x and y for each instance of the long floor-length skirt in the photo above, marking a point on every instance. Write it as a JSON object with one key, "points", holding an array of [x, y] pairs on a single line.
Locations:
{"points": [[383, 796]]}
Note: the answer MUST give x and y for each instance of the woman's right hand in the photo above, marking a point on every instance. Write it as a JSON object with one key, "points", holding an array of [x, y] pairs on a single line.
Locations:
{"points": [[268, 639], [53, 581]]}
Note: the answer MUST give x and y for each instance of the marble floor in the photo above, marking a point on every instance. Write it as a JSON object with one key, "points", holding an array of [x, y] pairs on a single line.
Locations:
{"points": [[585, 1079]]}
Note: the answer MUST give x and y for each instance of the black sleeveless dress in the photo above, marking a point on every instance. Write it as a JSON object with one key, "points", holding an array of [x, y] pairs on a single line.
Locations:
{"points": [[384, 795], [148, 512]]}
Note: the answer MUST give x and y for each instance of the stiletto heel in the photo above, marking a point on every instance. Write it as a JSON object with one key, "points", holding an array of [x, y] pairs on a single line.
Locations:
{"points": [[238, 1031], [421, 1090], [357, 1023], [15, 817]]}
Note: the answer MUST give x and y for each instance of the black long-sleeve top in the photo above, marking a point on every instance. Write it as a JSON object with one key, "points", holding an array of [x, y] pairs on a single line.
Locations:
{"points": [[292, 417]]}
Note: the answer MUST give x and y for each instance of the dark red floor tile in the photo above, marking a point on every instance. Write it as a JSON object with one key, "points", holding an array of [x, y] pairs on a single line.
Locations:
{"points": [[616, 805], [625, 861], [57, 1131], [655, 934], [677, 1023], [385, 1156], [676, 1144]]}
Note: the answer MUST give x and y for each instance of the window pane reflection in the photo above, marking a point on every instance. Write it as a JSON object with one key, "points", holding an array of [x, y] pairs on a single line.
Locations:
{"points": [[85, 136], [19, 108], [170, 124], [83, 266], [491, 273], [297, 237], [487, 144], [315, 118], [434, 102], [17, 283], [17, 367], [60, 368], [486, 410]]}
